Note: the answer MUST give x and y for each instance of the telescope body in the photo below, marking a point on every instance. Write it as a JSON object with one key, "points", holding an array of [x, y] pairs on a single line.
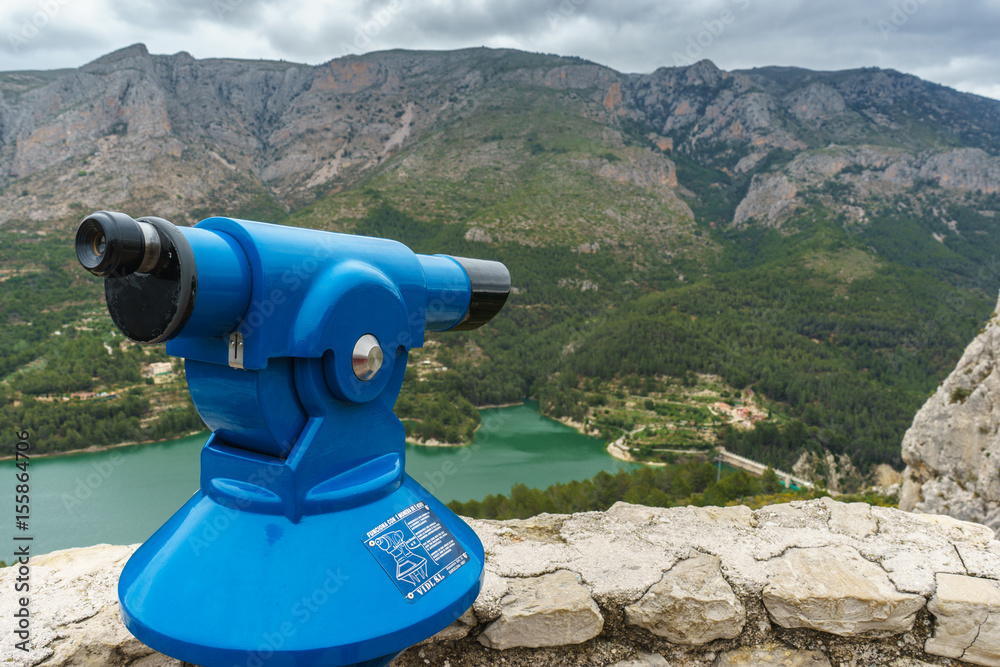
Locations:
{"points": [[306, 544]]}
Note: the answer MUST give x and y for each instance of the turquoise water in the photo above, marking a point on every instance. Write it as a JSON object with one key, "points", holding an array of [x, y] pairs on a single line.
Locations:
{"points": [[513, 445], [121, 496]]}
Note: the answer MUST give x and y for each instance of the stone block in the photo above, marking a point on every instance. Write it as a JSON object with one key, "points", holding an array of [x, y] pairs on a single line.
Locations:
{"points": [[853, 519], [771, 655], [833, 589], [644, 660], [691, 604], [457, 630], [551, 610], [967, 619]]}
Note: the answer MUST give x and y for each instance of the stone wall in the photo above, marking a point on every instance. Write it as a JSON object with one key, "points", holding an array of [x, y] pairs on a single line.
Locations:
{"points": [[808, 583]]}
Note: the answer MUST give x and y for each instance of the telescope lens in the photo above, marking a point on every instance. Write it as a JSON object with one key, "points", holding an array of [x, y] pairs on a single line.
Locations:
{"points": [[91, 245], [109, 243]]}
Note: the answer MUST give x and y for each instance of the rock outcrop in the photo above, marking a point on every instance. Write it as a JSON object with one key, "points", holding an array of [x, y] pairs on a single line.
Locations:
{"points": [[869, 174], [808, 583], [770, 198], [952, 449]]}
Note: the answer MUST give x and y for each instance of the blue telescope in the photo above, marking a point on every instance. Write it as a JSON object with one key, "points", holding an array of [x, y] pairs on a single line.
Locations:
{"points": [[307, 544]]}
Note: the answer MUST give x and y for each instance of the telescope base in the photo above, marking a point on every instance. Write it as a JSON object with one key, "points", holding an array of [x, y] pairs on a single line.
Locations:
{"points": [[218, 586]]}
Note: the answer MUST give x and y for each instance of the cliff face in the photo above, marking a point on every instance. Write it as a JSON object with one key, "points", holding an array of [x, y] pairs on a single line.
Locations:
{"points": [[952, 450], [816, 583], [865, 177], [173, 132], [179, 135], [191, 138]]}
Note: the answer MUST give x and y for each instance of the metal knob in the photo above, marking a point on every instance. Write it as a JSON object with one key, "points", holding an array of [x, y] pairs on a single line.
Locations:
{"points": [[366, 358]]}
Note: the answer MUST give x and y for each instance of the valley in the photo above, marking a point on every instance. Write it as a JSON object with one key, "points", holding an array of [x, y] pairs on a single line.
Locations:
{"points": [[814, 249]]}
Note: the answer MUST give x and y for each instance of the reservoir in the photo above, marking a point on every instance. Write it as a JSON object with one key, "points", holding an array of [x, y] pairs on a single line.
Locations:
{"points": [[121, 496]]}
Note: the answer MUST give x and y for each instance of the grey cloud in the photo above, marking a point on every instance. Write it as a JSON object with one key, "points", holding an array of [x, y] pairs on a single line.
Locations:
{"points": [[25, 45], [952, 43], [183, 15], [476, 21], [323, 43]]}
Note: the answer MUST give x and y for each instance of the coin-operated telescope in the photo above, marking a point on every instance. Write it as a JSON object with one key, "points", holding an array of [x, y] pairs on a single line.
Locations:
{"points": [[307, 543]]}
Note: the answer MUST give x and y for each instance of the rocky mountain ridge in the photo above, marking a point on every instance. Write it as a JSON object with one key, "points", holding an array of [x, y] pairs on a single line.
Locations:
{"points": [[187, 131], [181, 136], [796, 108]]}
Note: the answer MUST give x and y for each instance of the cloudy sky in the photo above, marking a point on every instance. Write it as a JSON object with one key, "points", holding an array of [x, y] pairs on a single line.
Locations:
{"points": [[954, 42]]}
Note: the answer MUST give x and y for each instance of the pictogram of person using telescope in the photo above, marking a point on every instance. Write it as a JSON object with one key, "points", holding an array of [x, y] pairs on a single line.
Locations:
{"points": [[410, 567]]}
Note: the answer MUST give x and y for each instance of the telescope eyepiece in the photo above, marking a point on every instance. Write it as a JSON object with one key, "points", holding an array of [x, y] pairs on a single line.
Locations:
{"points": [[113, 243]]}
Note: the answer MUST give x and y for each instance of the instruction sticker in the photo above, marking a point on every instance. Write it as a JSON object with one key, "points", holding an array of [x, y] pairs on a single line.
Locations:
{"points": [[415, 550]]}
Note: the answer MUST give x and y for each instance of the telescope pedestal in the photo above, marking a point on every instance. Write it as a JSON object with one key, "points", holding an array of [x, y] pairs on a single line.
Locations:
{"points": [[215, 580]]}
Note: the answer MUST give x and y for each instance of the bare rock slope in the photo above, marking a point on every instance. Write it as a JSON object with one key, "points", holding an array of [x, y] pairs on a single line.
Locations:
{"points": [[952, 450]]}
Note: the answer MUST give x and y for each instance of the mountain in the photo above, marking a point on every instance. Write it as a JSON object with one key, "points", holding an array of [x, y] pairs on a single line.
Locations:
{"points": [[263, 135], [822, 242]]}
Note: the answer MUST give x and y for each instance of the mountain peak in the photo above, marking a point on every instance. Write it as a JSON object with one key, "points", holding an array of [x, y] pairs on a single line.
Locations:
{"points": [[705, 65], [134, 51]]}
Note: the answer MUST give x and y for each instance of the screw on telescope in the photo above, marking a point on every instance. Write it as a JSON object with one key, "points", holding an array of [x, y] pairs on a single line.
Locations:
{"points": [[236, 350], [366, 358]]}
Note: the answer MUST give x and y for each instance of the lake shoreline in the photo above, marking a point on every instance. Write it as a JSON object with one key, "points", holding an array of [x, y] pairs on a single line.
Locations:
{"points": [[612, 449], [615, 448], [437, 443], [95, 449]]}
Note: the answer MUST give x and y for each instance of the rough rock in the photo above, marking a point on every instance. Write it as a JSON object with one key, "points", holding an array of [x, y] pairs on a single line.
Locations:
{"points": [[710, 105], [952, 447], [647, 170], [457, 630], [74, 612], [967, 611], [967, 169], [816, 101], [838, 472], [835, 590], [772, 655], [582, 568], [771, 197], [884, 173], [854, 519], [644, 660], [691, 604], [550, 610], [477, 235]]}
